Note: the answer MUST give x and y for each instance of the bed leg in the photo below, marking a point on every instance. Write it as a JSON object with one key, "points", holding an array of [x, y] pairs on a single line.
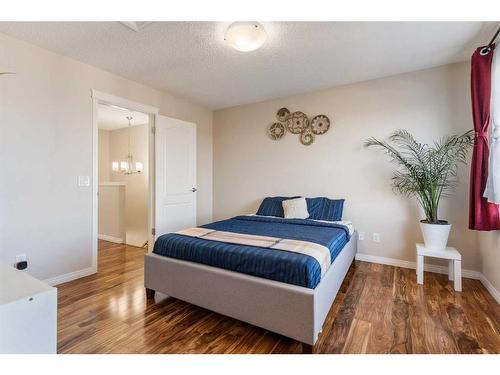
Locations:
{"points": [[307, 349], [150, 293]]}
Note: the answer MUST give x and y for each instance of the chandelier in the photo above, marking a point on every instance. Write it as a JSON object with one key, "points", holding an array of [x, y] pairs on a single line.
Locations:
{"points": [[128, 166]]}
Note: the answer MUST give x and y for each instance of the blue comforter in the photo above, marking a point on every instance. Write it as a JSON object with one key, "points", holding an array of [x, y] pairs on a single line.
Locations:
{"points": [[279, 265]]}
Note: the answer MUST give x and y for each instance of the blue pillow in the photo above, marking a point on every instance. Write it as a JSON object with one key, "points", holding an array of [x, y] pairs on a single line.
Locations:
{"points": [[325, 209], [273, 206]]}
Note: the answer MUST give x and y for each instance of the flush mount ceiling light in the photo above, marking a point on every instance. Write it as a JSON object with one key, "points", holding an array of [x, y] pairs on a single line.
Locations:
{"points": [[245, 36]]}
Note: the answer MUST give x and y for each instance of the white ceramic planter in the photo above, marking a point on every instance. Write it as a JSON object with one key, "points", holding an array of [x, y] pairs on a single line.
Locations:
{"points": [[435, 235]]}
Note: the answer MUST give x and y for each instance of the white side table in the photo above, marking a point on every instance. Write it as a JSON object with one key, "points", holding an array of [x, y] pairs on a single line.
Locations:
{"points": [[28, 314], [454, 263]]}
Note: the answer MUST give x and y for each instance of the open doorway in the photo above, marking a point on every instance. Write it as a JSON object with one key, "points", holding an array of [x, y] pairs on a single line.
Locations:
{"points": [[168, 170], [135, 230], [123, 176]]}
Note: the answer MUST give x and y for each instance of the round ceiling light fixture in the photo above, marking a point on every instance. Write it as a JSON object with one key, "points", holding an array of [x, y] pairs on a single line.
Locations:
{"points": [[245, 36]]}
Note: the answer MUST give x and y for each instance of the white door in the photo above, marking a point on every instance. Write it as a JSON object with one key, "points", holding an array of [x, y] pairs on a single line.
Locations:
{"points": [[175, 166]]}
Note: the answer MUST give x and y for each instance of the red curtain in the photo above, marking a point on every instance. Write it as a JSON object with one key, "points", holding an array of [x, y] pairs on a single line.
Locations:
{"points": [[482, 215]]}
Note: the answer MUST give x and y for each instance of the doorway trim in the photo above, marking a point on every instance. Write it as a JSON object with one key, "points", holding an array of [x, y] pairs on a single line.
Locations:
{"points": [[99, 97]]}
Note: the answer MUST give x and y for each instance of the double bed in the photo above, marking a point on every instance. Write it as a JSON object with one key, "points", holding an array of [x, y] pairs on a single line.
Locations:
{"points": [[281, 274]]}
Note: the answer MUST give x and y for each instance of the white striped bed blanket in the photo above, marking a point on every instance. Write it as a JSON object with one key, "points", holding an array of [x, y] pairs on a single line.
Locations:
{"points": [[319, 252]]}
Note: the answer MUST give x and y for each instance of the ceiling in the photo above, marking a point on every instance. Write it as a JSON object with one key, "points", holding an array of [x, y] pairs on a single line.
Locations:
{"points": [[190, 59], [112, 118]]}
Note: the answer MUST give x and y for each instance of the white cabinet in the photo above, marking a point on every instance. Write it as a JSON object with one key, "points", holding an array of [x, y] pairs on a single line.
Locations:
{"points": [[28, 313]]}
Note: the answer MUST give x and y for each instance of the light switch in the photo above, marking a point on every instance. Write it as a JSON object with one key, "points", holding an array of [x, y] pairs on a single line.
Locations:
{"points": [[83, 180]]}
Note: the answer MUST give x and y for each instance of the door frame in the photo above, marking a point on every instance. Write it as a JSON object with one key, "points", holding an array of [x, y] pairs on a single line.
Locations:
{"points": [[99, 97]]}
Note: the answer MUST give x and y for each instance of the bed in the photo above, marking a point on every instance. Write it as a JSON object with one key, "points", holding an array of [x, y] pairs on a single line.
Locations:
{"points": [[276, 273]]}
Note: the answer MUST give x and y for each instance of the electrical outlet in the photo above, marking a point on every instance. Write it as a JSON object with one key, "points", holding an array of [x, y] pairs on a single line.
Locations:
{"points": [[361, 236], [21, 258], [376, 237]]}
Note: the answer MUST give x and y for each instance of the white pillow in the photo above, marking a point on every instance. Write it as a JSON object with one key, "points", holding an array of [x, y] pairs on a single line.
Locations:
{"points": [[295, 208]]}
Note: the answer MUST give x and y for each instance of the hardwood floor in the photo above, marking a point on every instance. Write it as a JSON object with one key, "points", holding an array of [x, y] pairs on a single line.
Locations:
{"points": [[379, 309]]}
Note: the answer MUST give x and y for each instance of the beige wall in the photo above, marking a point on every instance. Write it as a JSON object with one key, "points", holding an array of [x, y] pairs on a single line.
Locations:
{"points": [[46, 142], [111, 198], [136, 186], [103, 164], [431, 103], [111, 220], [489, 244]]}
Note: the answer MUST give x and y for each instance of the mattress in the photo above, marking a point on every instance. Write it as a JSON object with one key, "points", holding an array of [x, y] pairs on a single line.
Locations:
{"points": [[278, 265]]}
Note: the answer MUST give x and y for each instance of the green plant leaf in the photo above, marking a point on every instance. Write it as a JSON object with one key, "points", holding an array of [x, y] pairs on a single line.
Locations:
{"points": [[426, 172]]}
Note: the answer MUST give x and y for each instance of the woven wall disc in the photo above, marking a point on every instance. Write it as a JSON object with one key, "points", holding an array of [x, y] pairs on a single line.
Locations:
{"points": [[276, 131], [283, 114], [307, 137], [297, 122], [320, 124]]}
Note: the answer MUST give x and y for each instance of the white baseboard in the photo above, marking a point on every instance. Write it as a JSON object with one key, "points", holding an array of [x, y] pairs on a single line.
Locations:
{"points": [[71, 276], [470, 274], [363, 257], [490, 288], [413, 265], [105, 237]]}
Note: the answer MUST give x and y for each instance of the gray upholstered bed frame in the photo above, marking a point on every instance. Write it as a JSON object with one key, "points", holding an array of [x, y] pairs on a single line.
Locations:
{"points": [[290, 310]]}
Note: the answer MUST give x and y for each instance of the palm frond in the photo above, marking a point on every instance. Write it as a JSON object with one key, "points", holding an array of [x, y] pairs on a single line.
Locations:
{"points": [[425, 172]]}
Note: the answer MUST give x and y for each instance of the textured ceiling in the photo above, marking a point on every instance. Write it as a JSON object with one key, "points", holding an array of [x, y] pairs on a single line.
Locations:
{"points": [[190, 59], [111, 118]]}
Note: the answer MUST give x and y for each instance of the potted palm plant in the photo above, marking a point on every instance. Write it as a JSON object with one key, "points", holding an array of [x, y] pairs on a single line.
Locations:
{"points": [[426, 172]]}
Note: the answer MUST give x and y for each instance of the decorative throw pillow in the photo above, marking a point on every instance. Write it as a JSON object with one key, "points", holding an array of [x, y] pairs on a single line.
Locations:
{"points": [[295, 208], [271, 206], [325, 209]]}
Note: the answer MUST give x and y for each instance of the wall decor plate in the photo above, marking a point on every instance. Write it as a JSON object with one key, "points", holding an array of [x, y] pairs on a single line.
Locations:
{"points": [[320, 124], [297, 122], [283, 114], [307, 137], [276, 130]]}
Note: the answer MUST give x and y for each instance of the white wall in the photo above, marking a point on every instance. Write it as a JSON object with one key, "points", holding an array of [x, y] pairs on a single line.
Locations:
{"points": [[46, 142], [249, 166]]}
